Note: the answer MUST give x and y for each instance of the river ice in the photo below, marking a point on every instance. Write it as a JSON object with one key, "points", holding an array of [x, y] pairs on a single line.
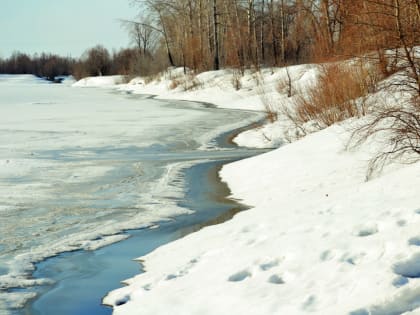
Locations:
{"points": [[78, 166]]}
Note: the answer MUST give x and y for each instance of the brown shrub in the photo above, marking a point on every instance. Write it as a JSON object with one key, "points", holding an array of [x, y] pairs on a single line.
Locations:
{"points": [[339, 94], [188, 82]]}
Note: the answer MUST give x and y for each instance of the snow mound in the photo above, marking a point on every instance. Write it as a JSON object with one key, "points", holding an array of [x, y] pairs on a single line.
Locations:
{"points": [[103, 81]]}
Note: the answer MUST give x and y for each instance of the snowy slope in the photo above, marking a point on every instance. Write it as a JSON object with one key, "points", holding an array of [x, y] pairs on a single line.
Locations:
{"points": [[319, 239]]}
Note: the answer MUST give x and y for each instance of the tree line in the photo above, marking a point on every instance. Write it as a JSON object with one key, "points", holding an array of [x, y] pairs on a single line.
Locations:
{"points": [[95, 61], [209, 34], [45, 65]]}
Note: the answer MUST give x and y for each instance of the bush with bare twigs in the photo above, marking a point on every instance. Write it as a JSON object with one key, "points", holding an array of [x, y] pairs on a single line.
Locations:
{"points": [[339, 93], [399, 129], [397, 125]]}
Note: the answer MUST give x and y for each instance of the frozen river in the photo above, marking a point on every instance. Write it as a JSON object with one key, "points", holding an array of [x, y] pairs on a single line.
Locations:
{"points": [[79, 166]]}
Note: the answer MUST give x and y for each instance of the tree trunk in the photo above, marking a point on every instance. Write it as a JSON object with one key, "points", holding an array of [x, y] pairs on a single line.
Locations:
{"points": [[216, 62]]}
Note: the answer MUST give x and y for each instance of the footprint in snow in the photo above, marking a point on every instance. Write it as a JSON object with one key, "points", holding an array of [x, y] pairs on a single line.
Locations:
{"points": [[122, 301], [276, 279], [409, 268], [414, 241], [171, 277], [399, 281], [268, 265], [240, 276], [309, 303], [184, 271], [365, 230], [326, 255], [353, 259]]}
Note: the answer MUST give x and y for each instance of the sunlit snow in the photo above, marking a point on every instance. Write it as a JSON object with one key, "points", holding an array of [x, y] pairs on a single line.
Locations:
{"points": [[319, 238]]}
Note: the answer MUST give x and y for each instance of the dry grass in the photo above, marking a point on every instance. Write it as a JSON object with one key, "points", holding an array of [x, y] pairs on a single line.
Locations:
{"points": [[236, 79], [270, 105], [339, 94], [154, 77], [174, 84], [284, 85], [188, 82]]}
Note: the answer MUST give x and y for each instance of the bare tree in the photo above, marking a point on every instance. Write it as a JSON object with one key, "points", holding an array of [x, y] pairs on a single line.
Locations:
{"points": [[97, 61]]}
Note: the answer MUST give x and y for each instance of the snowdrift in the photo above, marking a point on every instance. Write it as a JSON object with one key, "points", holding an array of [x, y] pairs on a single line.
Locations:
{"points": [[104, 81]]}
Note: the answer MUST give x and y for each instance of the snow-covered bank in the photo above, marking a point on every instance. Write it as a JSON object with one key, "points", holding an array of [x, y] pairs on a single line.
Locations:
{"points": [[264, 91], [319, 238]]}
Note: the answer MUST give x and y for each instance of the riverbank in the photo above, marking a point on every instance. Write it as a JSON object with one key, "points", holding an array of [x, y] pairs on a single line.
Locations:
{"points": [[319, 238], [260, 91], [83, 278], [86, 165]]}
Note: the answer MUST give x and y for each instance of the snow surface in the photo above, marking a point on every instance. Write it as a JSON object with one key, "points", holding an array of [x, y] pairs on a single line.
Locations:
{"points": [[319, 238]]}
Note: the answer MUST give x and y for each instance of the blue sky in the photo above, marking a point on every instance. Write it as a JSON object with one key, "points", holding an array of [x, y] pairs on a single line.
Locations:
{"points": [[65, 27]]}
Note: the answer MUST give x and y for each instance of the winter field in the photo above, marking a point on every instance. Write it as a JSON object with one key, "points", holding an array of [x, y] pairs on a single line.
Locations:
{"points": [[319, 238]]}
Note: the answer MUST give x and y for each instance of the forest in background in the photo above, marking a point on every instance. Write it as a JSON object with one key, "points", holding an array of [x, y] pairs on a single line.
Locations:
{"points": [[211, 34]]}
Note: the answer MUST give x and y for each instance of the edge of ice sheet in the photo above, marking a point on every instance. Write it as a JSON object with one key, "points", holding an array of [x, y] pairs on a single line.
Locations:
{"points": [[162, 203]]}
